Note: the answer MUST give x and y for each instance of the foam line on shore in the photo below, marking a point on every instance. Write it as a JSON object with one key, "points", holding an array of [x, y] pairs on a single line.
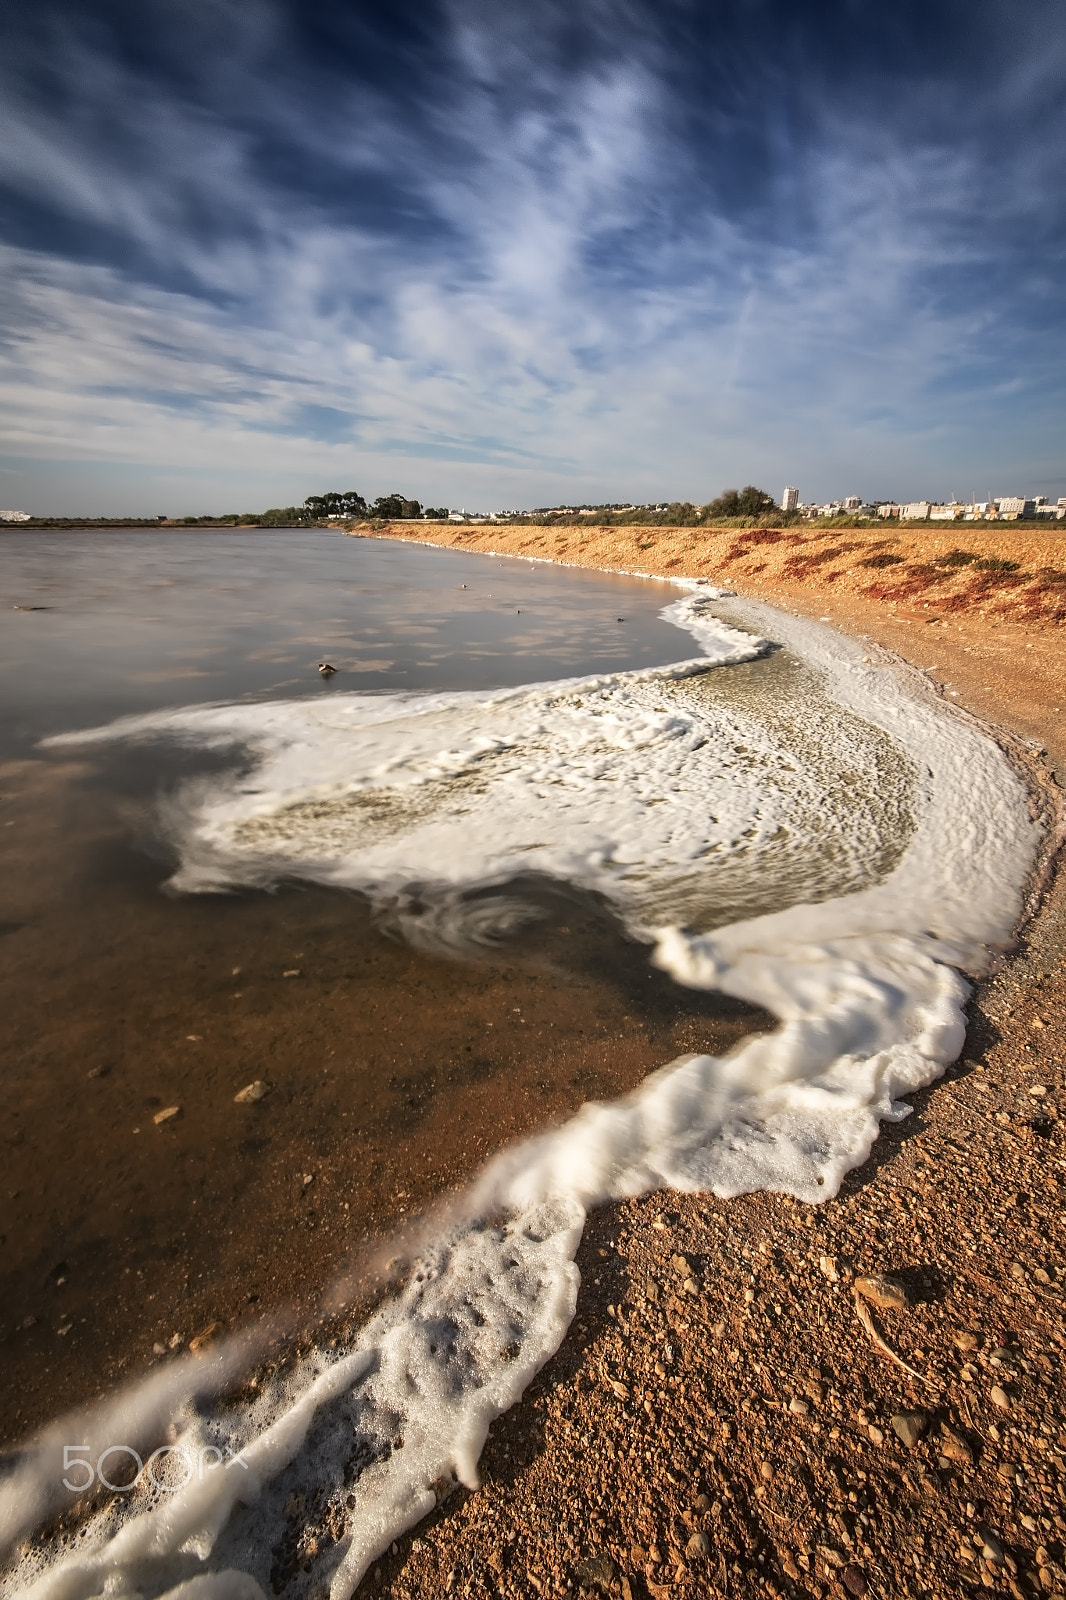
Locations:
{"points": [[865, 985]]}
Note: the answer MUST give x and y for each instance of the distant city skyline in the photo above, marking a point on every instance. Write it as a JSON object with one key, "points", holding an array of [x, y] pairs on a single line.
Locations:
{"points": [[505, 255]]}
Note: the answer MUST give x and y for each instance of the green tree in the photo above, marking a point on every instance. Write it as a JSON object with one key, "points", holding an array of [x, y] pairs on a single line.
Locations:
{"points": [[284, 517], [345, 503], [747, 502], [395, 508]]}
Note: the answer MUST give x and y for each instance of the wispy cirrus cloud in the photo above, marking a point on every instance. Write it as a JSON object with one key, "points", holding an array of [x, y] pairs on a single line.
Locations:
{"points": [[498, 257]]}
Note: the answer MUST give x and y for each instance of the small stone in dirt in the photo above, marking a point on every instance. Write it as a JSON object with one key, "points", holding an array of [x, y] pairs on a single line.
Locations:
{"points": [[991, 1549], [766, 1470], [698, 1547], [881, 1290], [703, 1502], [1038, 1090], [965, 1342], [251, 1093], [167, 1115], [681, 1264], [798, 1407], [954, 1446], [1000, 1398], [291, 972], [854, 1579], [827, 1265], [876, 1436], [909, 1426], [597, 1571]]}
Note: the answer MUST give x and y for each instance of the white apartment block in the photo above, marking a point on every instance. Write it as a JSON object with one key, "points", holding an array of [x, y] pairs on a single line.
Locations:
{"points": [[1008, 508], [15, 516], [791, 498]]}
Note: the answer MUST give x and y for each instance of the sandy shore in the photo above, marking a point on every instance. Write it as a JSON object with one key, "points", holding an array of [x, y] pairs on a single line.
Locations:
{"points": [[721, 1420]]}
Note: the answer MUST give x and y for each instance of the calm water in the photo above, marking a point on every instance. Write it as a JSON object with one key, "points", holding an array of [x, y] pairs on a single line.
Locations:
{"points": [[138, 621]]}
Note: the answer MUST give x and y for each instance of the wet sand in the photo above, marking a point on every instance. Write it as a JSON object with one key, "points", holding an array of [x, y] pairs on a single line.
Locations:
{"points": [[746, 1441]]}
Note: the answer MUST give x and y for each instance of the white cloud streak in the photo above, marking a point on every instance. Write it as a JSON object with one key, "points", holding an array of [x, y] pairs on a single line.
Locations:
{"points": [[541, 326]]}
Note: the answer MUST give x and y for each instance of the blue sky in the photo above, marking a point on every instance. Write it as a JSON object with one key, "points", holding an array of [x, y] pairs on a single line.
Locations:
{"points": [[508, 253]]}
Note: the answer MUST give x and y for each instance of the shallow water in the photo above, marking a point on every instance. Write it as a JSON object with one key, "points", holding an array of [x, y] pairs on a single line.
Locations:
{"points": [[136, 621]]}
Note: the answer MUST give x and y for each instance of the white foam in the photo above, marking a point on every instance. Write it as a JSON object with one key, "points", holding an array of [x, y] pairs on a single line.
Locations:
{"points": [[863, 984], [677, 806]]}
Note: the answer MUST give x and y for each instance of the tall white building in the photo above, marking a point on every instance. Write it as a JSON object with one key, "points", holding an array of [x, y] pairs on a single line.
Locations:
{"points": [[791, 498]]}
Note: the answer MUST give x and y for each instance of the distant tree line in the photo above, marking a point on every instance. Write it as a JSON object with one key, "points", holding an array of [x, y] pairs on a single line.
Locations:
{"points": [[745, 505], [346, 506], [748, 505]]}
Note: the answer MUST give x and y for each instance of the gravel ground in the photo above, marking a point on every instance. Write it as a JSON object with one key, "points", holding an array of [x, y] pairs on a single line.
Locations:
{"points": [[720, 1420]]}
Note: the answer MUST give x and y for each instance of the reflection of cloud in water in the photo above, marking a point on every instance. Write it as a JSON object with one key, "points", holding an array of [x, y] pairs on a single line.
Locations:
{"points": [[171, 674]]}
